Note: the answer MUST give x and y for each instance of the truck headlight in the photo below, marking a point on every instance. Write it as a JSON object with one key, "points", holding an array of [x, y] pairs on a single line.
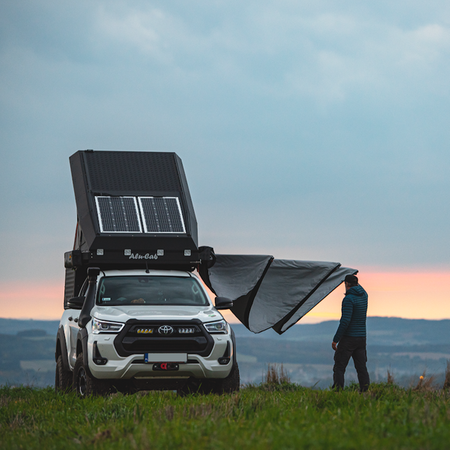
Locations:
{"points": [[101, 326], [217, 327]]}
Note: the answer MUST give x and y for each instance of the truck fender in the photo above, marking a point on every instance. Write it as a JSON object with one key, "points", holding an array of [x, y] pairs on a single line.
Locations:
{"points": [[82, 341], [61, 348], [233, 339]]}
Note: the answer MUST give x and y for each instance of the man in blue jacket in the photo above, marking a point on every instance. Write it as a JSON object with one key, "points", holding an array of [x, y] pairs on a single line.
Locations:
{"points": [[351, 335]]}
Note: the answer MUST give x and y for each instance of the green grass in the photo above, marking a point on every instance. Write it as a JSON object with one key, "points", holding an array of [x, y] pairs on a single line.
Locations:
{"points": [[259, 417]]}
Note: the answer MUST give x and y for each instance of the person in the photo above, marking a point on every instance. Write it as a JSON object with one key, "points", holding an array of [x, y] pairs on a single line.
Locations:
{"points": [[350, 338]]}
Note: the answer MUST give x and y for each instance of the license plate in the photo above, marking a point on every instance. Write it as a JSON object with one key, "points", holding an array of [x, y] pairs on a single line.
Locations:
{"points": [[166, 366], [167, 358]]}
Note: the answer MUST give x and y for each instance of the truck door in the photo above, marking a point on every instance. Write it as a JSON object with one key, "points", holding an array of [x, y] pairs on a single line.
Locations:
{"points": [[74, 328]]}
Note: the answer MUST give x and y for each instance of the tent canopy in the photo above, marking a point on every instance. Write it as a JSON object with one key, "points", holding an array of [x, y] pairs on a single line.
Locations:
{"points": [[272, 293]]}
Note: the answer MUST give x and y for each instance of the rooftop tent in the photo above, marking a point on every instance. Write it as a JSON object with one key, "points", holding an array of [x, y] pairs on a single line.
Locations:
{"points": [[271, 293], [133, 207]]}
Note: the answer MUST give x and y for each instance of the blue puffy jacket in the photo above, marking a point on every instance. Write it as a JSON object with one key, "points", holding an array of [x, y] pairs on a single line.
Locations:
{"points": [[354, 313]]}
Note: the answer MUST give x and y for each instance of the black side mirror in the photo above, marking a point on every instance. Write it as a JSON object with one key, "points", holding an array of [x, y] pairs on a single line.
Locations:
{"points": [[76, 302], [223, 303]]}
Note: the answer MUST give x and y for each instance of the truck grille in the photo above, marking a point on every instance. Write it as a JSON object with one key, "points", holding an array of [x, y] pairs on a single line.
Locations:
{"points": [[139, 337]]}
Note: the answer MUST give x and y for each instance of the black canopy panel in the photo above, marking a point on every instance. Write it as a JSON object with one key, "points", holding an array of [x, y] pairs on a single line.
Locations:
{"points": [[326, 287], [271, 293]]}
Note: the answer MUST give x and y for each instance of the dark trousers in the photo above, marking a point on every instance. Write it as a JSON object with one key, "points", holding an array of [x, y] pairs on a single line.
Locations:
{"points": [[354, 347]]}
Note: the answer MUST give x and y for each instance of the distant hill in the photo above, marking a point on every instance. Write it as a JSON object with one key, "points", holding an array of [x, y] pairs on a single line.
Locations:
{"points": [[381, 331], [405, 347], [13, 326]]}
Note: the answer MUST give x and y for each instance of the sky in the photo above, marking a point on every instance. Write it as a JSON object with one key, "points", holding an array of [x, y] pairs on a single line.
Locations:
{"points": [[308, 130]]}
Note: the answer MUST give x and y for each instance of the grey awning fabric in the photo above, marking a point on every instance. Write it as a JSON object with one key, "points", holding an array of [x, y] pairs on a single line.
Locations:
{"points": [[233, 276], [238, 278], [328, 286], [285, 286], [271, 293]]}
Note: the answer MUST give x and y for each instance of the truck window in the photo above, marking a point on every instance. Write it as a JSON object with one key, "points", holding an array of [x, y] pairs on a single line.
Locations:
{"points": [[150, 290]]}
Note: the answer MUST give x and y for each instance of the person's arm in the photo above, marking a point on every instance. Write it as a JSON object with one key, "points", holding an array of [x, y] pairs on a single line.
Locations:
{"points": [[346, 317]]}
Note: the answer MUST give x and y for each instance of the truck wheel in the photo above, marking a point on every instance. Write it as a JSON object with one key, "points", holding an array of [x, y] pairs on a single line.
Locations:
{"points": [[84, 384], [63, 378], [229, 384]]}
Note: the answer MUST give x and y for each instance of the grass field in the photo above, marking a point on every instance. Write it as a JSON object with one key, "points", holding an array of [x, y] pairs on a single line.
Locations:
{"points": [[268, 416]]}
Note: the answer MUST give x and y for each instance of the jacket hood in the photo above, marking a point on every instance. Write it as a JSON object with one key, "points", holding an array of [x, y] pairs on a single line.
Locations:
{"points": [[356, 290]]}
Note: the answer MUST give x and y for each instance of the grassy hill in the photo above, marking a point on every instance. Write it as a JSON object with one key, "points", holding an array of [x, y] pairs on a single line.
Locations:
{"points": [[263, 417]]}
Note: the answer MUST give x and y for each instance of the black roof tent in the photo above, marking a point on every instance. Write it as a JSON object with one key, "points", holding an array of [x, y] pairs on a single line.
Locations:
{"points": [[134, 210]]}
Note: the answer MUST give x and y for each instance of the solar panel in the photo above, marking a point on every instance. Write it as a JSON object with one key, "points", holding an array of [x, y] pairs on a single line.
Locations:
{"points": [[161, 215], [118, 214]]}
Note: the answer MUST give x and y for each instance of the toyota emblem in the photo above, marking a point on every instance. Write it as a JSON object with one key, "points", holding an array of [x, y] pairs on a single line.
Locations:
{"points": [[165, 329]]}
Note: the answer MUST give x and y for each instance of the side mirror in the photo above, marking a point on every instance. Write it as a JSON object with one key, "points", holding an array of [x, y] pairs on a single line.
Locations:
{"points": [[223, 303], [75, 302]]}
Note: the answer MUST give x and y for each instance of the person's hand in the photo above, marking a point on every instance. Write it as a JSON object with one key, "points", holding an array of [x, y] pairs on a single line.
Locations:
{"points": [[334, 345]]}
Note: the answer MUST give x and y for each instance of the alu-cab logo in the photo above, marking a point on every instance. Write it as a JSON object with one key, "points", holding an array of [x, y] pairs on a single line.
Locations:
{"points": [[146, 256], [165, 330]]}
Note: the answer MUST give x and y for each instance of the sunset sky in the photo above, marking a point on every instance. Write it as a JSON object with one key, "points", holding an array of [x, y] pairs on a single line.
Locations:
{"points": [[308, 130]]}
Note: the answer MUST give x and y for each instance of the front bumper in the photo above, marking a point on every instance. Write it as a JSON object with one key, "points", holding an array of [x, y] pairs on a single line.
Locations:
{"points": [[133, 366]]}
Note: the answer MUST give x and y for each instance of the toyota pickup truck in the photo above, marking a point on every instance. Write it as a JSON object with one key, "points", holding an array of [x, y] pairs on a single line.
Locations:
{"points": [[155, 329]]}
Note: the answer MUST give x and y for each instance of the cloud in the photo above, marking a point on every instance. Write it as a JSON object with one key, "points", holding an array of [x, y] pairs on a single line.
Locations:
{"points": [[281, 49], [281, 111], [142, 31]]}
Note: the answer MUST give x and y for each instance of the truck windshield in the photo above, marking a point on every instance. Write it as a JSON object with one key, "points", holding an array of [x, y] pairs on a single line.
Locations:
{"points": [[150, 290]]}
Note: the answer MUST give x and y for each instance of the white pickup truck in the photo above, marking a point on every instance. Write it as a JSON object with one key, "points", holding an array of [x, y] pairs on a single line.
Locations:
{"points": [[145, 329]]}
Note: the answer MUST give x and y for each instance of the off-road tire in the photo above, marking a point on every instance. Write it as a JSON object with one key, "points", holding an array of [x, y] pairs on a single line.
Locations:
{"points": [[86, 385], [63, 378], [229, 384]]}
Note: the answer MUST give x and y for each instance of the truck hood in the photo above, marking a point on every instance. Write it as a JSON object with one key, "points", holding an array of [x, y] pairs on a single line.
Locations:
{"points": [[125, 313]]}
